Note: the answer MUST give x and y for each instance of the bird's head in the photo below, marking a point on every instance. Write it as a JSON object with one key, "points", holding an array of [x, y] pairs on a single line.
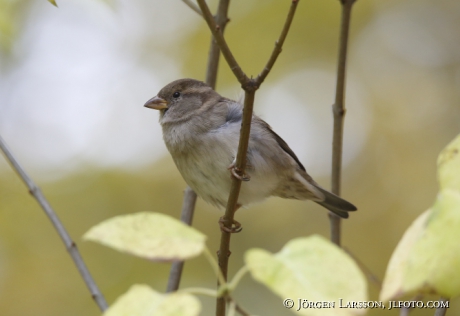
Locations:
{"points": [[179, 99]]}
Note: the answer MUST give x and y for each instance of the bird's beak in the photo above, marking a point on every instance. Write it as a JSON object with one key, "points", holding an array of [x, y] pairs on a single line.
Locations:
{"points": [[156, 103]]}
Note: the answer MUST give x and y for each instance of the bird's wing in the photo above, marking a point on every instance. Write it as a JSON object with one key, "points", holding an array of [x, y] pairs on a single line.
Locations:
{"points": [[323, 197], [284, 145]]}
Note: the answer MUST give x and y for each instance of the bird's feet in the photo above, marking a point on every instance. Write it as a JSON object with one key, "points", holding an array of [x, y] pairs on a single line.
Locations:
{"points": [[236, 172], [236, 226]]}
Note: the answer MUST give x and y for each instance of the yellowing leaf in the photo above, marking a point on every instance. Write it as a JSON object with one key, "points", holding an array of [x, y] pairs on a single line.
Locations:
{"points": [[394, 277], [152, 236], [434, 262], [449, 166], [141, 300], [53, 2], [311, 268], [427, 259]]}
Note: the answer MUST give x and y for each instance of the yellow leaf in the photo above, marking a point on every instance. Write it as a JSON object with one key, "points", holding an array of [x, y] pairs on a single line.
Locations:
{"points": [[141, 300], [393, 284], [153, 236], [313, 269], [449, 166]]}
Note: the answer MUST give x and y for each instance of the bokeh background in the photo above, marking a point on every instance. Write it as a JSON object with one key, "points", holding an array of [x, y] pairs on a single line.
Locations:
{"points": [[73, 81]]}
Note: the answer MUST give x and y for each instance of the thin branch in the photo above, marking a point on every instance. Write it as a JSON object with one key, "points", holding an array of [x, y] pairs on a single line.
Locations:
{"points": [[66, 239], [214, 50], [188, 209], [279, 43], [219, 37], [405, 311], [224, 249], [193, 6], [339, 114], [249, 86], [188, 205], [442, 310]]}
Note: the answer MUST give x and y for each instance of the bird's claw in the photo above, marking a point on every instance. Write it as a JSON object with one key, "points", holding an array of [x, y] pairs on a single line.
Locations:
{"points": [[236, 226], [236, 172]]}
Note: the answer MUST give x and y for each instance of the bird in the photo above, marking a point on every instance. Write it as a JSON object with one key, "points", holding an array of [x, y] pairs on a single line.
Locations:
{"points": [[201, 131]]}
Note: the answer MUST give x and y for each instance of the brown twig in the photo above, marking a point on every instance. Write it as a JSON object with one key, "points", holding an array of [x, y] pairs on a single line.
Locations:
{"points": [[249, 86], [70, 245], [214, 51], [219, 37], [188, 209], [339, 113], [224, 249], [188, 206], [405, 311], [279, 43], [193, 6], [442, 310]]}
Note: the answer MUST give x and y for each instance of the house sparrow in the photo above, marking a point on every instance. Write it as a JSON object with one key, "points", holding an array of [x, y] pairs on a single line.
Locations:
{"points": [[201, 131]]}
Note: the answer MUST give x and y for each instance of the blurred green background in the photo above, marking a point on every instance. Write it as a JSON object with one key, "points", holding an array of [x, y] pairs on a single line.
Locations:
{"points": [[73, 81]]}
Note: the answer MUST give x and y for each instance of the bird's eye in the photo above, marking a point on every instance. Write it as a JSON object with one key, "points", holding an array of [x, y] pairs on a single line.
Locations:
{"points": [[176, 94]]}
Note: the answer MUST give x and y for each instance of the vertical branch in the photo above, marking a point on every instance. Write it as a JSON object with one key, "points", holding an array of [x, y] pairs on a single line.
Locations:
{"points": [[221, 19], [249, 86], [405, 311], [220, 40], [442, 309], [224, 249], [339, 113], [69, 244], [188, 209], [188, 206]]}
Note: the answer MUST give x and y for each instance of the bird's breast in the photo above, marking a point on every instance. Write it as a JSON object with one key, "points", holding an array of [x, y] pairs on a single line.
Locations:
{"points": [[203, 163]]}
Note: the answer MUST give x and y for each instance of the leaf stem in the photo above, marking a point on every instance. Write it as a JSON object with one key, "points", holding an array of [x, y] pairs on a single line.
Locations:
{"points": [[237, 278], [238, 308], [214, 265], [199, 291]]}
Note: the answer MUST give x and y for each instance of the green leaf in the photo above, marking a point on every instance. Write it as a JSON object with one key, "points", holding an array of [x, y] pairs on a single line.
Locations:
{"points": [[427, 258], [311, 268], [152, 236], [393, 284], [141, 300], [449, 166], [53, 2], [433, 265]]}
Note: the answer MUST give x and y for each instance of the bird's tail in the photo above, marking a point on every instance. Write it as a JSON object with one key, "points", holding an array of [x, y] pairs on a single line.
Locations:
{"points": [[335, 204]]}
